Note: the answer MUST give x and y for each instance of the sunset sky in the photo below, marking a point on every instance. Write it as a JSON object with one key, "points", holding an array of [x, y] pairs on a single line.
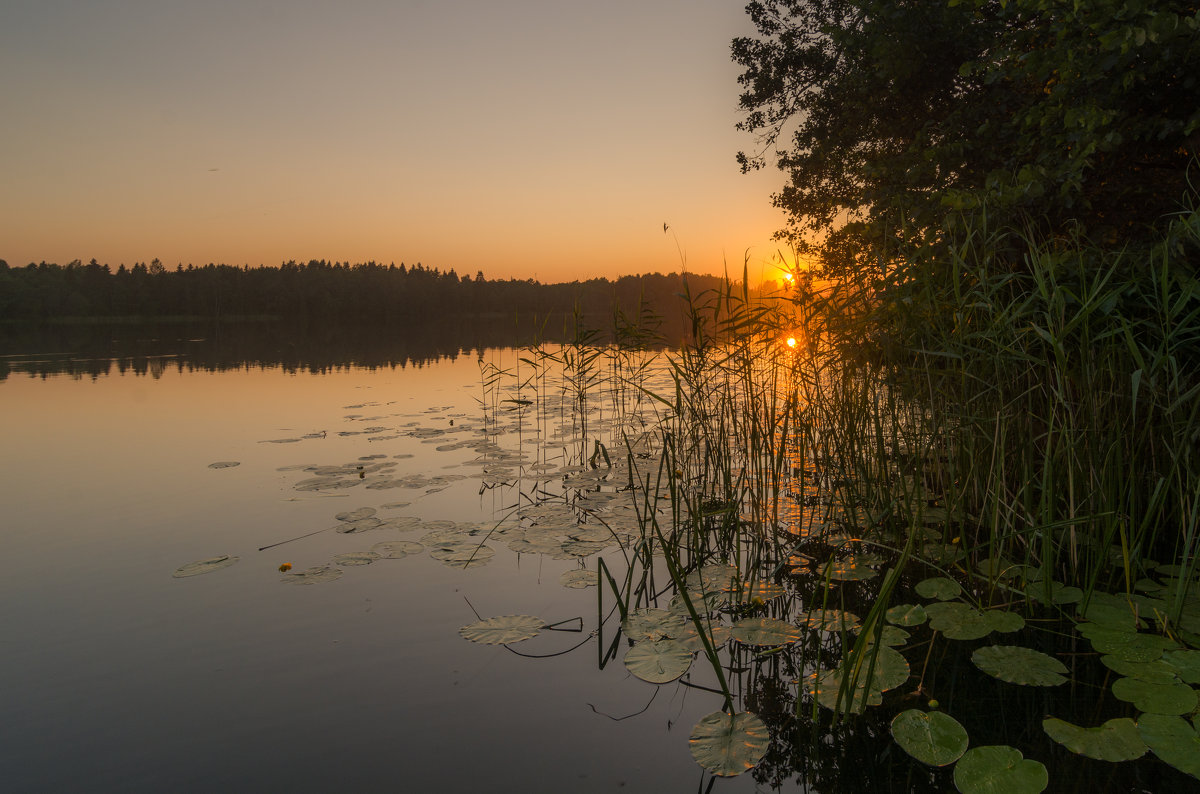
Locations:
{"points": [[546, 139]]}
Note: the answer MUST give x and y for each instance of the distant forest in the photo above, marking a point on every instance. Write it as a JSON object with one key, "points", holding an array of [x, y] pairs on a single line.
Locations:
{"points": [[318, 293]]}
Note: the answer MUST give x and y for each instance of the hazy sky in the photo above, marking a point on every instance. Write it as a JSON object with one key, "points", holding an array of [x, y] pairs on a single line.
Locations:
{"points": [[547, 139]]}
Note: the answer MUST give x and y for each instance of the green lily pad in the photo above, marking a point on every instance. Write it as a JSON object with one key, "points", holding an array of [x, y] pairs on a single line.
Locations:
{"points": [[652, 624], [1003, 621], [1173, 740], [718, 635], [1185, 663], [848, 570], [1115, 740], [204, 566], [890, 635], [503, 630], [397, 549], [224, 464], [998, 568], [765, 632], [1018, 665], [1170, 699], [761, 592], [830, 620], [356, 558], [907, 615], [729, 744], [958, 621], [1156, 672], [999, 769], [931, 737], [1112, 611], [940, 587], [314, 575], [579, 579], [826, 686], [658, 661], [1125, 644]]}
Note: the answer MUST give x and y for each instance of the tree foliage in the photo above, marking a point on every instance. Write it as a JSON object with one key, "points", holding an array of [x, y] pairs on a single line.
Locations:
{"points": [[889, 116]]}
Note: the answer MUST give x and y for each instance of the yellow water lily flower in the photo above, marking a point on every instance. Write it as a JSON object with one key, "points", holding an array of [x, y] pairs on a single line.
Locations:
{"points": [[287, 566]]}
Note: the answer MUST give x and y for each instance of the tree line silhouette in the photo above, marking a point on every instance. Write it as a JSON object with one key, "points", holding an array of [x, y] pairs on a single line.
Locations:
{"points": [[320, 292]]}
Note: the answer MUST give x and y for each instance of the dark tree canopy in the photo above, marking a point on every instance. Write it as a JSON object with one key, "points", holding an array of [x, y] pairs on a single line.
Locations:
{"points": [[887, 115]]}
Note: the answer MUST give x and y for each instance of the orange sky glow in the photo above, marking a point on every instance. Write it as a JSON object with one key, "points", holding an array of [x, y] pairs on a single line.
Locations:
{"points": [[528, 139]]}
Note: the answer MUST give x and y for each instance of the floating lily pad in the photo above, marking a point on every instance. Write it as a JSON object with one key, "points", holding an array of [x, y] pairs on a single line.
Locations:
{"points": [[356, 558], [1156, 672], [765, 632], [931, 737], [958, 621], [1053, 592], [503, 630], [652, 624], [940, 587], [1003, 621], [462, 554], [314, 575], [1185, 663], [397, 549], [1111, 611], [579, 579], [826, 685], [718, 635], [761, 591], [204, 566], [729, 744], [658, 661], [830, 620], [848, 570], [1170, 699], [999, 769], [1115, 740], [1018, 665], [907, 615], [224, 464], [1125, 643], [890, 635], [1173, 740], [356, 515]]}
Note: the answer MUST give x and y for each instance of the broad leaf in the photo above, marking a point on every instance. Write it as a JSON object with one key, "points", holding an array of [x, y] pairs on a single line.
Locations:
{"points": [[1018, 665], [658, 661], [729, 744], [1115, 740], [931, 737], [999, 769]]}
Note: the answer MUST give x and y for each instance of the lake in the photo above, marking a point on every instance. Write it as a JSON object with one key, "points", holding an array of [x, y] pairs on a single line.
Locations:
{"points": [[119, 677], [249, 561]]}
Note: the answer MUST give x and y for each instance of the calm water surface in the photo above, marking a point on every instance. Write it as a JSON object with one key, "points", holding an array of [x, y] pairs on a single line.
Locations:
{"points": [[118, 677]]}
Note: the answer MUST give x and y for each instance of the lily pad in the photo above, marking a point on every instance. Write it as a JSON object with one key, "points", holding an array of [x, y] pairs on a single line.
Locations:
{"points": [[652, 624], [658, 661], [907, 615], [718, 635], [940, 587], [1003, 621], [1170, 699], [1173, 740], [1185, 663], [503, 630], [1156, 672], [848, 570], [999, 769], [826, 685], [578, 579], [1115, 740], [765, 632], [1125, 644], [931, 737], [204, 566], [729, 744], [356, 558], [224, 464], [314, 575], [958, 621], [1018, 665], [397, 549], [830, 620]]}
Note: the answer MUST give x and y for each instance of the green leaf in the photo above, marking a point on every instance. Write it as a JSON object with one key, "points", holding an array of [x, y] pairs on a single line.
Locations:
{"points": [[1003, 621], [1168, 699], [958, 621], [658, 661], [767, 632], [830, 620], [503, 630], [1156, 672], [1115, 740], [931, 737], [729, 744], [907, 615], [939, 587], [1125, 644], [652, 624], [1185, 663], [1173, 740], [579, 578], [1018, 665], [999, 769]]}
